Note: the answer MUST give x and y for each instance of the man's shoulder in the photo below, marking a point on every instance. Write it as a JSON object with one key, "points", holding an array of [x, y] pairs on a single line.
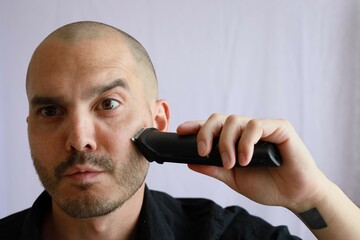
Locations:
{"points": [[10, 226], [197, 217], [26, 224], [202, 205], [15, 219], [203, 217]]}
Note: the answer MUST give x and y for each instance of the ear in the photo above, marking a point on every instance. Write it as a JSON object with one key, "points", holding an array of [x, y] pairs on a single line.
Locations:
{"points": [[162, 115]]}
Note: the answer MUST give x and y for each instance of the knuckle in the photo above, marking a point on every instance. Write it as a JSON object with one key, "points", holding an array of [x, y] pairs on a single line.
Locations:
{"points": [[232, 119], [254, 124], [214, 116]]}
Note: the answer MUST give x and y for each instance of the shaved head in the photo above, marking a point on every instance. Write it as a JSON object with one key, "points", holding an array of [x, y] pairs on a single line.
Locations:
{"points": [[88, 30], [90, 88]]}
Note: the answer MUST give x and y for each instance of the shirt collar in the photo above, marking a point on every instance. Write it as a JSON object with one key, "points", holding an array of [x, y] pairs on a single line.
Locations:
{"points": [[33, 222], [153, 222]]}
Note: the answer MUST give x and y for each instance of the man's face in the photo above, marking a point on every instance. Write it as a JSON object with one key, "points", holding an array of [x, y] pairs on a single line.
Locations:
{"points": [[85, 104]]}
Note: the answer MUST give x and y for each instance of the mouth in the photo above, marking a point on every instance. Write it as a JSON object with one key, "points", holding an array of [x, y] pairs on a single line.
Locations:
{"points": [[83, 173]]}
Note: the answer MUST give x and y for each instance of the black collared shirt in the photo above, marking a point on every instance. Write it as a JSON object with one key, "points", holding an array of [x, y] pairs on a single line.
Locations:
{"points": [[161, 217]]}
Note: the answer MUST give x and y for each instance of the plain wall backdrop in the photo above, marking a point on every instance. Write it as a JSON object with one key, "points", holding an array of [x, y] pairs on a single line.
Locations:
{"points": [[293, 59]]}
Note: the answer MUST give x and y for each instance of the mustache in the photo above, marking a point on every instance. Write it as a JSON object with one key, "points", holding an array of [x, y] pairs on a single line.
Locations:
{"points": [[79, 158]]}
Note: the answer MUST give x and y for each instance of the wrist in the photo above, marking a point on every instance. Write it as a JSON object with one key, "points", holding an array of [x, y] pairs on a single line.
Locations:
{"points": [[314, 196], [314, 211], [335, 216], [313, 219]]}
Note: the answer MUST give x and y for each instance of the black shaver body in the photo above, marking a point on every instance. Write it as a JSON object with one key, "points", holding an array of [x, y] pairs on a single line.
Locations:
{"points": [[170, 147]]}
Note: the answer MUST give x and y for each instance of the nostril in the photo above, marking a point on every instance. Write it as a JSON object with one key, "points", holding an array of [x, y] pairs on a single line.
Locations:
{"points": [[88, 146]]}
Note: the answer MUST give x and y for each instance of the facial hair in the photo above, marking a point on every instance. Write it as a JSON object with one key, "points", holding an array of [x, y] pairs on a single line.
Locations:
{"points": [[128, 177]]}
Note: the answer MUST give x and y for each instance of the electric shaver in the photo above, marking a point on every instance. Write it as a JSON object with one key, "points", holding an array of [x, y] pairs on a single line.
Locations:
{"points": [[170, 147]]}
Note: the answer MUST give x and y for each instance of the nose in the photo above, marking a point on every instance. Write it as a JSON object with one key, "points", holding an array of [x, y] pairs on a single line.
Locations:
{"points": [[80, 133]]}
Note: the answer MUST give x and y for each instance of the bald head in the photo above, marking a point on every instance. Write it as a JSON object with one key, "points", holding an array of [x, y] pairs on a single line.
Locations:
{"points": [[80, 31]]}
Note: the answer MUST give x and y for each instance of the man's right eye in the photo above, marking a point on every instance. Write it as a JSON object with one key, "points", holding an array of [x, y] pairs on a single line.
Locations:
{"points": [[51, 111]]}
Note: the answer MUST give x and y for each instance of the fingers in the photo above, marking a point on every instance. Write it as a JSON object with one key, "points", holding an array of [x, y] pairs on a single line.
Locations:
{"points": [[231, 131], [189, 127], [210, 129], [206, 131], [237, 135], [271, 130], [227, 128]]}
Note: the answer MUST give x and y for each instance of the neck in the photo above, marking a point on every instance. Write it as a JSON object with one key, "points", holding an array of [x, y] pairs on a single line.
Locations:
{"points": [[120, 224]]}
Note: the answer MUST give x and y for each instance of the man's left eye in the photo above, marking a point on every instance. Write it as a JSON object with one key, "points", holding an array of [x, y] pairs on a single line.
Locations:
{"points": [[108, 104]]}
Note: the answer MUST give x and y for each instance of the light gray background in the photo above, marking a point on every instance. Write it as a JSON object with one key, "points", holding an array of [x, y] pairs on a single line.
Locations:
{"points": [[294, 59]]}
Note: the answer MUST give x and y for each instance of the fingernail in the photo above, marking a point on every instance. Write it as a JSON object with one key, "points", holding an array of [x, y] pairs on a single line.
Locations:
{"points": [[242, 159], [225, 159], [202, 148]]}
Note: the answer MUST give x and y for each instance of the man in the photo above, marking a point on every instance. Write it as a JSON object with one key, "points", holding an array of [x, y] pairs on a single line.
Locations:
{"points": [[90, 88]]}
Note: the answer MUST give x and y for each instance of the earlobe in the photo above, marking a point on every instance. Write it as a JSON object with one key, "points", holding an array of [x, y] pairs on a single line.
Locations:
{"points": [[162, 115]]}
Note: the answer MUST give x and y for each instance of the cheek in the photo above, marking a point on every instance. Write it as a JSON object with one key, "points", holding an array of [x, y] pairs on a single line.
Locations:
{"points": [[115, 140], [44, 144], [120, 130]]}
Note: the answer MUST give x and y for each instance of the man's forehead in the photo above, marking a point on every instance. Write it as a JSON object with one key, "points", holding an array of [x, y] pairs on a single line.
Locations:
{"points": [[89, 48], [82, 81], [60, 60]]}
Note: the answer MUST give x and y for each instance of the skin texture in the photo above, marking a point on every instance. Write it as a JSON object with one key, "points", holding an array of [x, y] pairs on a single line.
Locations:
{"points": [[87, 98]]}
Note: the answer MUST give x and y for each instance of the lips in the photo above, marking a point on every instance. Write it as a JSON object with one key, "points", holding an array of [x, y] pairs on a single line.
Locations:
{"points": [[82, 173], [82, 169]]}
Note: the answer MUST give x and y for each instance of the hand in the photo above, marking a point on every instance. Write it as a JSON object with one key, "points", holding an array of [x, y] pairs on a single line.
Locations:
{"points": [[297, 184]]}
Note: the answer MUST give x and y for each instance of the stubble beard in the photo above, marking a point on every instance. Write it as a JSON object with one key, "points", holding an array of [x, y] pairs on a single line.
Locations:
{"points": [[128, 175]]}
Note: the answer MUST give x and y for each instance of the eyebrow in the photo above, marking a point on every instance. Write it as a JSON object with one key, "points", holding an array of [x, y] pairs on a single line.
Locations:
{"points": [[37, 100], [95, 91], [104, 88]]}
